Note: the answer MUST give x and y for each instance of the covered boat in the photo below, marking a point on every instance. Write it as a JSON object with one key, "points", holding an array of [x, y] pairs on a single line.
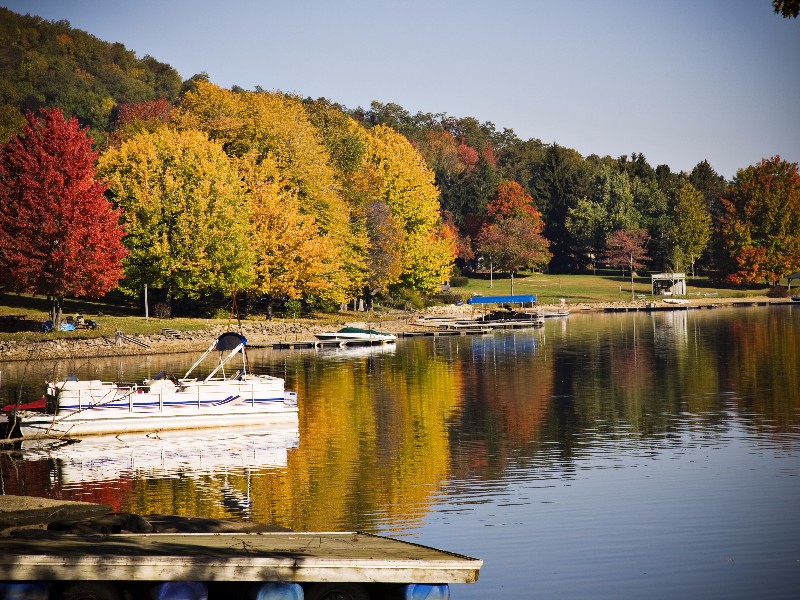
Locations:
{"points": [[356, 334], [228, 395]]}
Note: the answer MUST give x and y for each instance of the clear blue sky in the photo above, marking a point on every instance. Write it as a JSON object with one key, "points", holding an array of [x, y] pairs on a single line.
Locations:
{"points": [[678, 80]]}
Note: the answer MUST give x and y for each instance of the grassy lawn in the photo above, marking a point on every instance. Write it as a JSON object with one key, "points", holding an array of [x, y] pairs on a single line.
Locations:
{"points": [[22, 314], [605, 287]]}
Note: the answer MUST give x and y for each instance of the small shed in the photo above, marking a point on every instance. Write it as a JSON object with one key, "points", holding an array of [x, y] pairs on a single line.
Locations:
{"points": [[668, 284], [794, 276]]}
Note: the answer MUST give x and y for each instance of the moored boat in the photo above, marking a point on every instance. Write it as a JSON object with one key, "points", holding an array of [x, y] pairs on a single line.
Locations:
{"points": [[357, 334], [229, 395], [548, 314]]}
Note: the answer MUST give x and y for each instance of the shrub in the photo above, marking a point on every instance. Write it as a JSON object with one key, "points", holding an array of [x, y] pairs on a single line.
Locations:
{"points": [[407, 299], [459, 281], [292, 308], [778, 291]]}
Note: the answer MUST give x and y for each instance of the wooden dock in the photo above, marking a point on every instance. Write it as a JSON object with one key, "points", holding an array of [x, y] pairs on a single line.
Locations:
{"points": [[255, 557], [653, 307], [69, 560]]}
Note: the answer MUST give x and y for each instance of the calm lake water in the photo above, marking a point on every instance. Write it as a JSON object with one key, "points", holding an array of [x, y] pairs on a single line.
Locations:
{"points": [[636, 455]]}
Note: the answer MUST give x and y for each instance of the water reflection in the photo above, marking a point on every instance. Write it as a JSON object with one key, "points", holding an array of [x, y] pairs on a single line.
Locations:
{"points": [[567, 438]]}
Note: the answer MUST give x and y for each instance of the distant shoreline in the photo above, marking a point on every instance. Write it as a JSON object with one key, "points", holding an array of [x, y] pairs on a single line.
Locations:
{"points": [[260, 333]]}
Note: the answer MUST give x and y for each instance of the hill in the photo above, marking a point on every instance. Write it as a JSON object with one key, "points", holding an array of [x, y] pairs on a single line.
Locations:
{"points": [[44, 63]]}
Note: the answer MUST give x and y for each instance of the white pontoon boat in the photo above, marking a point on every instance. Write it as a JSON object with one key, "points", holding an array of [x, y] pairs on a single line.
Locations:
{"points": [[229, 395]]}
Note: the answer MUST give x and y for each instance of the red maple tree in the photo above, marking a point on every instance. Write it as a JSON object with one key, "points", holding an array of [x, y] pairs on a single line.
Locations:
{"points": [[512, 200], [59, 235], [627, 249]]}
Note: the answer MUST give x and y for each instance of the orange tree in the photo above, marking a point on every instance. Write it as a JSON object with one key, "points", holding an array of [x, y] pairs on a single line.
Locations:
{"points": [[59, 235], [761, 222], [513, 239]]}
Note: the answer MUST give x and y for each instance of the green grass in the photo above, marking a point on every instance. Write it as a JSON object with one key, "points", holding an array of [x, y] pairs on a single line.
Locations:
{"points": [[22, 314], [605, 287]]}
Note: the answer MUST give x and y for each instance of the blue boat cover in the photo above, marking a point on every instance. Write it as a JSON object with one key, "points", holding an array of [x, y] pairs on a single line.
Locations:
{"points": [[501, 299], [229, 340]]}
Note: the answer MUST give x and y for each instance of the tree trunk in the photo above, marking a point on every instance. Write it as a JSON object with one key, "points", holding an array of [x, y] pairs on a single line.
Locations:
{"points": [[56, 310], [168, 296], [368, 298], [632, 295]]}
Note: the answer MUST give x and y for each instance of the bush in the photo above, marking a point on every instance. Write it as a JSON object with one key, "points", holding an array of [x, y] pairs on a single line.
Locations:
{"points": [[451, 297], [161, 310], [293, 308], [778, 291], [459, 281], [406, 299]]}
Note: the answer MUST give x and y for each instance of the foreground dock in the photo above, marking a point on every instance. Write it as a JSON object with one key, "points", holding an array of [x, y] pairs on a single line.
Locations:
{"points": [[271, 556], [48, 564]]}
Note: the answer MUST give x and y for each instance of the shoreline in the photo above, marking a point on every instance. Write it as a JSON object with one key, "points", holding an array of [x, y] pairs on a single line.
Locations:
{"points": [[261, 333]]}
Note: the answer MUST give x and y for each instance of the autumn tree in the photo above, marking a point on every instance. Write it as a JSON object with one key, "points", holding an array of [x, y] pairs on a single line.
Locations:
{"points": [[273, 125], [512, 238], [627, 249], [405, 184], [511, 244], [292, 256], [385, 241], [761, 222], [135, 117], [186, 216], [59, 235], [512, 200], [689, 230]]}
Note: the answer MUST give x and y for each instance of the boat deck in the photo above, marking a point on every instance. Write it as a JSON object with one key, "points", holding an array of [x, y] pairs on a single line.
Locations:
{"points": [[328, 343]]}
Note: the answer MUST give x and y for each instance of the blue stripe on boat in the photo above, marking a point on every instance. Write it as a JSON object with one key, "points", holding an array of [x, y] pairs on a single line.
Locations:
{"points": [[191, 403]]}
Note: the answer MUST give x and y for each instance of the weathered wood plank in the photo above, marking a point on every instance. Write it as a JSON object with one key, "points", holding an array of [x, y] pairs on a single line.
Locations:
{"points": [[273, 556]]}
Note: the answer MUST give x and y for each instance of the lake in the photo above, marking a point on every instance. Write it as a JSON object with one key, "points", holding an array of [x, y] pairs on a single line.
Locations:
{"points": [[606, 455]]}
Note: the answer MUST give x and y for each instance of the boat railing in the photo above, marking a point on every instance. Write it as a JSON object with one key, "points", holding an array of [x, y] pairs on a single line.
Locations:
{"points": [[91, 397]]}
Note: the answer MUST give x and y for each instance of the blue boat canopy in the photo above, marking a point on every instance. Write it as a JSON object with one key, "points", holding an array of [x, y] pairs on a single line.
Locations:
{"points": [[229, 340], [501, 299]]}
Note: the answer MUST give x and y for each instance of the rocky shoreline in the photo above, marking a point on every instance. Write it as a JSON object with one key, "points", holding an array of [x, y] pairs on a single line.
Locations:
{"points": [[260, 333]]}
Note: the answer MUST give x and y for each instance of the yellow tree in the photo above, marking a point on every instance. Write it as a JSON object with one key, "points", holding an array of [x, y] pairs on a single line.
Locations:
{"points": [[400, 179], [292, 256], [275, 127], [186, 216]]}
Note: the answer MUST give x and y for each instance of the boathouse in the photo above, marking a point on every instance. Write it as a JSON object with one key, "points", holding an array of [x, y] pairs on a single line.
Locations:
{"points": [[668, 284]]}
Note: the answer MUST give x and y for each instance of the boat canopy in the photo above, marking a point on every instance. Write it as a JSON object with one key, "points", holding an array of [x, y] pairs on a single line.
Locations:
{"points": [[502, 299], [359, 330], [230, 340]]}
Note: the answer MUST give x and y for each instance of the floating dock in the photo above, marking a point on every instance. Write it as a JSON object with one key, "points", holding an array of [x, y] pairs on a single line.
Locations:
{"points": [[256, 557], [362, 565]]}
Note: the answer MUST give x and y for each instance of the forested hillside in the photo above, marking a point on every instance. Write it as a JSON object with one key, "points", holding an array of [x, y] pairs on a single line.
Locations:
{"points": [[45, 63]]}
